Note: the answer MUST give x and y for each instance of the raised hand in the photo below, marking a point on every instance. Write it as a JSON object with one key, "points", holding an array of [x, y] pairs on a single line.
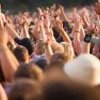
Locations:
{"points": [[91, 29], [3, 32], [47, 21], [86, 17], [61, 7], [97, 31], [97, 8], [53, 7], [39, 11], [58, 23]]}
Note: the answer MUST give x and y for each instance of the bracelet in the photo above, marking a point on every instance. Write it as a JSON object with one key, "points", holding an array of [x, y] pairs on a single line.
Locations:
{"points": [[87, 38]]}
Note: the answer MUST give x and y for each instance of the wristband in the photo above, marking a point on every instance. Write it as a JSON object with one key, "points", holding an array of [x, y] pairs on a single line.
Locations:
{"points": [[87, 38]]}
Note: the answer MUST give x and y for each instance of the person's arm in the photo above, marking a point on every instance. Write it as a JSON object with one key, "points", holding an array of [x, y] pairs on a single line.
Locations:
{"points": [[25, 26], [60, 28], [77, 35], [85, 47], [77, 42], [8, 61], [12, 31], [86, 44], [97, 8], [26, 33], [86, 17], [9, 27], [65, 35], [42, 31], [12, 41], [63, 13], [47, 37], [3, 95], [48, 50]]}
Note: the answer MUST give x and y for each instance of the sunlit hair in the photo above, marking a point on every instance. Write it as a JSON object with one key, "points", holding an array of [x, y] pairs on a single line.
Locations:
{"points": [[30, 71], [21, 53]]}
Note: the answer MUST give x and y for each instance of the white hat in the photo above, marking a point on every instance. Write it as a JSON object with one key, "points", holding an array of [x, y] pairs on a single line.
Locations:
{"points": [[84, 69]]}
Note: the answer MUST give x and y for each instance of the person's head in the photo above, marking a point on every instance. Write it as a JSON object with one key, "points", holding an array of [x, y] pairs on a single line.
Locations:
{"points": [[29, 44], [42, 63], [56, 64], [58, 60], [21, 53], [57, 48], [25, 89], [64, 57], [84, 69], [39, 47], [57, 86], [57, 90], [30, 71]]}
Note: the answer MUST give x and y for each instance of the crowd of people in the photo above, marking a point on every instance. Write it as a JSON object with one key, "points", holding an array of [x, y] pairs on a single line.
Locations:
{"points": [[50, 54]]}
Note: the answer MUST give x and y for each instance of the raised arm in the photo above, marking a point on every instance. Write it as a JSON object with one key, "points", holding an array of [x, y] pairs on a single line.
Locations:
{"points": [[12, 31], [97, 8], [47, 36], [60, 28], [63, 13], [86, 44], [9, 28], [48, 49], [8, 61]]}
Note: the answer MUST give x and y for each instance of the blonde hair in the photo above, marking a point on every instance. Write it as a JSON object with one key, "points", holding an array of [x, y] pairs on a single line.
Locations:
{"points": [[57, 48]]}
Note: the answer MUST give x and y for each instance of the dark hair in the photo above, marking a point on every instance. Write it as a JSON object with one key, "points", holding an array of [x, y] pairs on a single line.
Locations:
{"points": [[25, 89], [57, 90], [58, 86], [20, 53], [57, 35], [42, 63], [67, 27], [26, 42], [2, 78]]}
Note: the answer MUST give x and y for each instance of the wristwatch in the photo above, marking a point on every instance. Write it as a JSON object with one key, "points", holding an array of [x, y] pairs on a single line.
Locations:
{"points": [[87, 38]]}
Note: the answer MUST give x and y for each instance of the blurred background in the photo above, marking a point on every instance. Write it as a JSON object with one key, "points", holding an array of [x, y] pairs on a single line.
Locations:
{"points": [[32, 4]]}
